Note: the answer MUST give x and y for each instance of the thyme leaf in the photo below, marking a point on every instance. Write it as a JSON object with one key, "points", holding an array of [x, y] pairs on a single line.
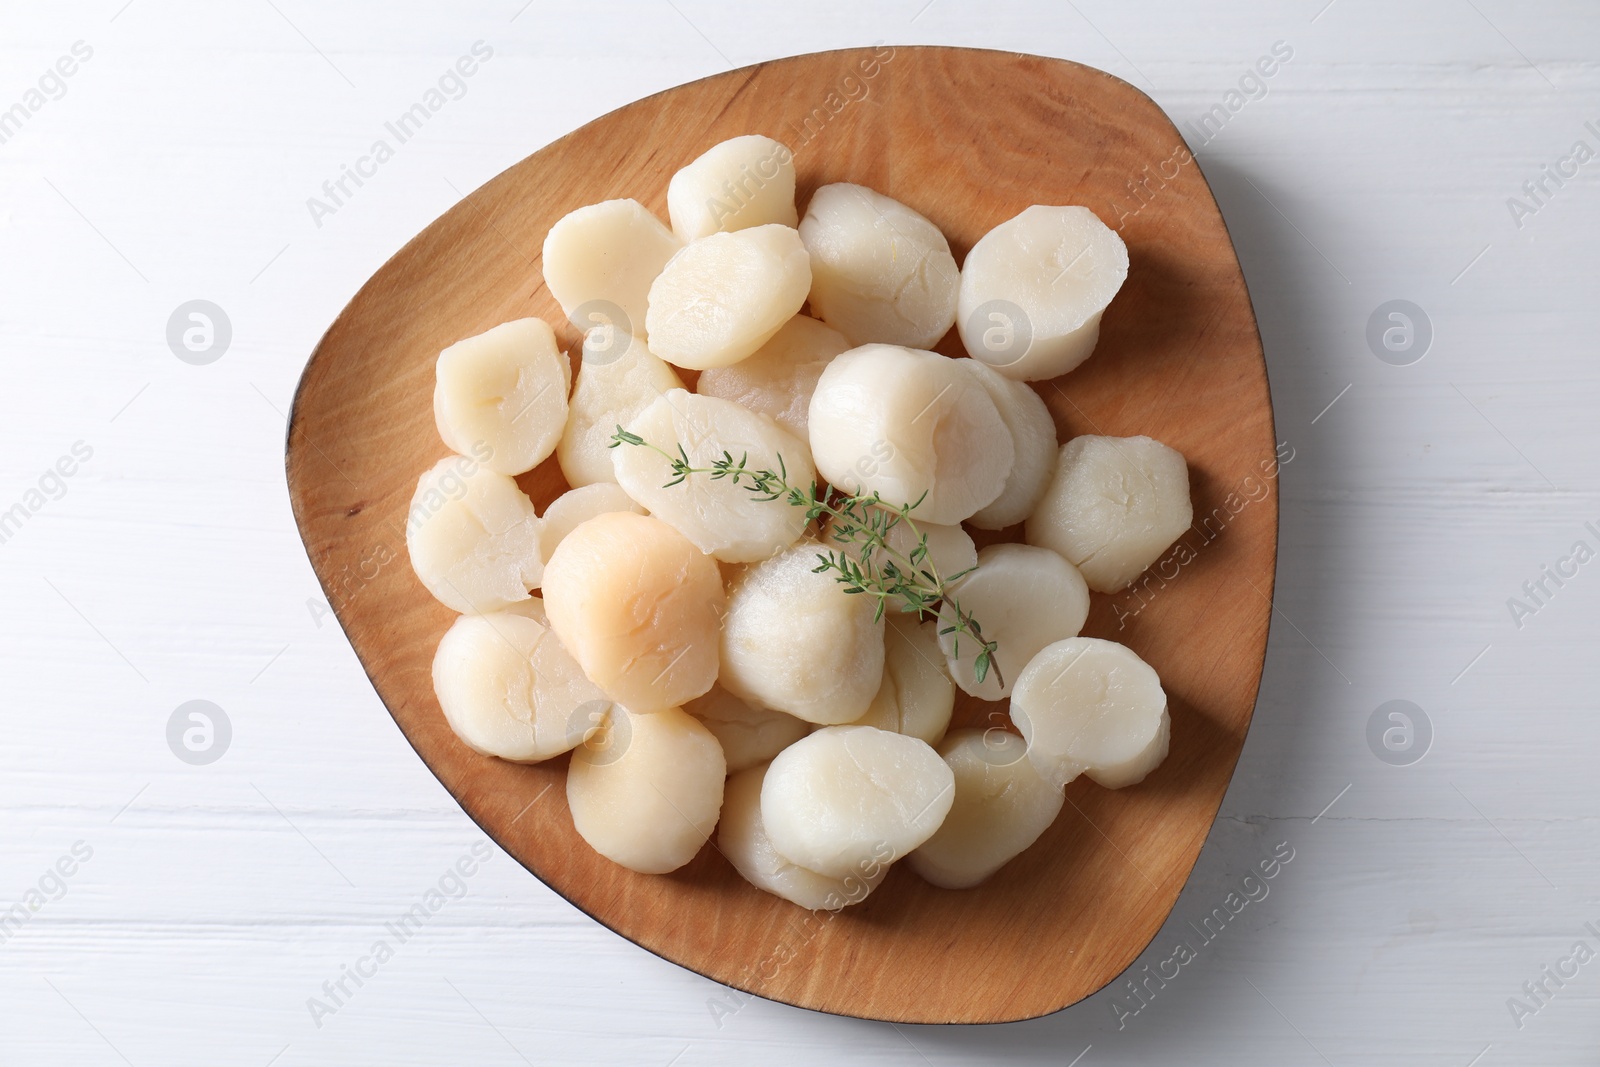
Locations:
{"points": [[862, 521]]}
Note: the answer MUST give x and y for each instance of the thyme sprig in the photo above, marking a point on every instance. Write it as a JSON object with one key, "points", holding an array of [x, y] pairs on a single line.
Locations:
{"points": [[864, 521]]}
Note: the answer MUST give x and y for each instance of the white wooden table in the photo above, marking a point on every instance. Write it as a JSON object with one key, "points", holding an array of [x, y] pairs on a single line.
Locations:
{"points": [[203, 906]]}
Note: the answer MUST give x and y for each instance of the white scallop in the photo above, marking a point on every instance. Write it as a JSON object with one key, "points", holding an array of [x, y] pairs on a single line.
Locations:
{"points": [[1022, 598], [508, 688], [1113, 506], [1033, 290], [916, 696], [880, 272], [742, 838], [741, 182], [720, 515], [1001, 806], [1092, 707], [724, 296], [607, 253], [505, 388], [577, 506], [778, 380], [748, 735], [795, 641], [614, 385], [912, 426], [645, 790], [639, 608], [847, 799], [473, 537], [1033, 436], [950, 550]]}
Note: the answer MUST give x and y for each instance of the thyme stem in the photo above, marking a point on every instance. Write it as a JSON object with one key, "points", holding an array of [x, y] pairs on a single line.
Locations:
{"points": [[877, 569]]}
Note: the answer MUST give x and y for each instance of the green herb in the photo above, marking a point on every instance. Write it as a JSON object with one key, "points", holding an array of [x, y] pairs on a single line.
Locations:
{"points": [[876, 569]]}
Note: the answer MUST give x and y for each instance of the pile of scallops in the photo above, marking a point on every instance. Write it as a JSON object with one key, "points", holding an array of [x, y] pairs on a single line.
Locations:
{"points": [[680, 636]]}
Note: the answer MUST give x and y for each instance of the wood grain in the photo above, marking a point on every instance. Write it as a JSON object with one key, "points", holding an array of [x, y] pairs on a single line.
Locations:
{"points": [[968, 138]]}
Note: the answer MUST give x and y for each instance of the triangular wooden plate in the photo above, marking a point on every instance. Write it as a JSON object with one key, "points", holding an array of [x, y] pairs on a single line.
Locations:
{"points": [[968, 138]]}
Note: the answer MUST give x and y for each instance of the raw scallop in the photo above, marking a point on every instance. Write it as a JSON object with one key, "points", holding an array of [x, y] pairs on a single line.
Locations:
{"points": [[742, 182], [1023, 598], [913, 427], [742, 838], [473, 537], [851, 798], [778, 380], [795, 641], [1114, 505], [645, 790], [725, 295], [613, 387], [1001, 806], [1033, 435], [509, 689], [880, 272], [577, 506], [1033, 290], [916, 696], [720, 515], [1088, 706], [639, 608], [748, 735], [506, 389], [600, 261]]}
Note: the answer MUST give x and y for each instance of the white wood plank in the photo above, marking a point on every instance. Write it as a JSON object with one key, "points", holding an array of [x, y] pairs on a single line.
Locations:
{"points": [[218, 899]]}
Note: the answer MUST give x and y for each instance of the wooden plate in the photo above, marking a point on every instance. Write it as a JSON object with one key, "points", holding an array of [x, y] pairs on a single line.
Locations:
{"points": [[968, 138]]}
